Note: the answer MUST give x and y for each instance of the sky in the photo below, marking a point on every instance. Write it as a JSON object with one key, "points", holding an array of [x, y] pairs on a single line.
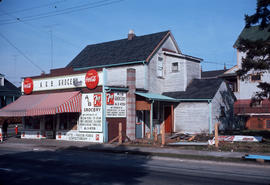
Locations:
{"points": [[36, 36]]}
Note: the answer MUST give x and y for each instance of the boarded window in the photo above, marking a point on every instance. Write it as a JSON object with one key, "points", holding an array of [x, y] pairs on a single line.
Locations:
{"points": [[175, 67], [160, 67]]}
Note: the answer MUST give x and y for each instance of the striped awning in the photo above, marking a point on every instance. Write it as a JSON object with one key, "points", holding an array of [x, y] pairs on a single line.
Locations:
{"points": [[43, 104]]}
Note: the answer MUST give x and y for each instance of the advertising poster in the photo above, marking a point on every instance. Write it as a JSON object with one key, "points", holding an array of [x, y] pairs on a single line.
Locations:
{"points": [[116, 105], [91, 117]]}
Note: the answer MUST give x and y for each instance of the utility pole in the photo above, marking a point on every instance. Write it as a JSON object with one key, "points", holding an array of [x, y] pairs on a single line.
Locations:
{"points": [[50, 27]]}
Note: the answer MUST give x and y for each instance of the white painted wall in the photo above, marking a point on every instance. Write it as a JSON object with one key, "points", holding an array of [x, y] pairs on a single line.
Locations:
{"points": [[191, 117], [117, 76], [248, 88]]}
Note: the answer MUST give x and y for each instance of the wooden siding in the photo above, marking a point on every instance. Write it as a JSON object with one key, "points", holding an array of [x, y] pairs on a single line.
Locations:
{"points": [[193, 71], [222, 108], [117, 76], [191, 117]]}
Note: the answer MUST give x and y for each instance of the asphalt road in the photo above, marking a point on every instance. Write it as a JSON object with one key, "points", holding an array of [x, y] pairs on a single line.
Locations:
{"points": [[84, 167]]}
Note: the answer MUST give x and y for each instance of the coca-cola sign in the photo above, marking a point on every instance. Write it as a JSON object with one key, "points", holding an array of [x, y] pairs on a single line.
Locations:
{"points": [[28, 86], [91, 79]]}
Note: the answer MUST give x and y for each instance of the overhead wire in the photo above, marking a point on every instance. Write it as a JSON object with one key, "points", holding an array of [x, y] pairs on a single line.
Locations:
{"points": [[21, 52], [64, 11]]}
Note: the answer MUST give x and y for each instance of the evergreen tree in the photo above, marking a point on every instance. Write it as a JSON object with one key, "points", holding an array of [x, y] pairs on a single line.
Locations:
{"points": [[257, 51]]}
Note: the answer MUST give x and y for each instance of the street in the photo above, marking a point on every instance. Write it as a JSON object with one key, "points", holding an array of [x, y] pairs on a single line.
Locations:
{"points": [[85, 167]]}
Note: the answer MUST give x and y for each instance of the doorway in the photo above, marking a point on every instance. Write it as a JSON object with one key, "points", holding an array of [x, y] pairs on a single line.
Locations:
{"points": [[168, 119]]}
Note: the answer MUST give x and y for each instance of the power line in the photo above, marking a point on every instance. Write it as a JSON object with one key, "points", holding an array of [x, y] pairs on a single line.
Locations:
{"points": [[218, 63], [37, 7], [64, 11], [34, 27], [20, 51]]}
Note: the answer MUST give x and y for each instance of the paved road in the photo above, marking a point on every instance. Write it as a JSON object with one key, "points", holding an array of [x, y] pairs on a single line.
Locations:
{"points": [[84, 167]]}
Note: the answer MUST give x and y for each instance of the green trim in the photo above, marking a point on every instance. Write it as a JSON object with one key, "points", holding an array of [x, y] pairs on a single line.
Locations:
{"points": [[187, 100], [104, 123], [116, 89], [109, 65]]}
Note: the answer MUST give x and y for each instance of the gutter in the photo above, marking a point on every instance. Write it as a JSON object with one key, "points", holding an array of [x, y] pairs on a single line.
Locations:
{"points": [[109, 65]]}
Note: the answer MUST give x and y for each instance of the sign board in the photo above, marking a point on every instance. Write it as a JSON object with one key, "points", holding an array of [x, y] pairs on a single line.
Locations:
{"points": [[61, 82], [91, 79], [74, 135], [116, 105], [91, 117], [28, 86]]}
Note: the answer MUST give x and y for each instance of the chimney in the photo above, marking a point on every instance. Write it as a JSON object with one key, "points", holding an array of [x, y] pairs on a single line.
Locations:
{"points": [[131, 35]]}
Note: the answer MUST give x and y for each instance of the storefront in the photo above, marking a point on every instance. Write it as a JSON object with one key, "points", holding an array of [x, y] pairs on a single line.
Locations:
{"points": [[68, 107]]}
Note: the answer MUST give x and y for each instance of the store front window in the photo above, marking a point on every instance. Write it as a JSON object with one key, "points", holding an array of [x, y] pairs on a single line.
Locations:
{"points": [[32, 122]]}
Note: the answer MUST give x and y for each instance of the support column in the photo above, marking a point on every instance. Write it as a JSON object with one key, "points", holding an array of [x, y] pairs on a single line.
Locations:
{"points": [[131, 103]]}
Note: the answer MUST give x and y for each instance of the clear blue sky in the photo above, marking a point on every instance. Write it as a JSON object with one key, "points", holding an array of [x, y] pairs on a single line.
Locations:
{"points": [[202, 28]]}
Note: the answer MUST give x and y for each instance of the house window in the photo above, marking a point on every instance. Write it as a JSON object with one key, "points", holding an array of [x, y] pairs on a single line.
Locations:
{"points": [[175, 67], [160, 67], [268, 123], [1, 81], [255, 77]]}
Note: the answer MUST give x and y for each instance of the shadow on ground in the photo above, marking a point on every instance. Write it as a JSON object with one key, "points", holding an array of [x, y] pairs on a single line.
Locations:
{"points": [[72, 165]]}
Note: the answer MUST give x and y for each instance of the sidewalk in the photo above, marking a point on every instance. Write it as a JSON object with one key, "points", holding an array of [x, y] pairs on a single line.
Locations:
{"points": [[54, 145]]}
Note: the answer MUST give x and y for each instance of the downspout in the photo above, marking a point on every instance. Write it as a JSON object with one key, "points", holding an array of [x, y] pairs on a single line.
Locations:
{"points": [[104, 123], [151, 120], [210, 116]]}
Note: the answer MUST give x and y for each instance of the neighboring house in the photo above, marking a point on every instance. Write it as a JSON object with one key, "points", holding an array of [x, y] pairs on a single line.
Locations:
{"points": [[8, 92], [145, 81], [255, 116]]}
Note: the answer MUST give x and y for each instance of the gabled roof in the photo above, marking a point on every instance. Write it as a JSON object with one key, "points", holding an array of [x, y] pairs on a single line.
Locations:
{"points": [[212, 74], [9, 89], [253, 33], [200, 89], [118, 51]]}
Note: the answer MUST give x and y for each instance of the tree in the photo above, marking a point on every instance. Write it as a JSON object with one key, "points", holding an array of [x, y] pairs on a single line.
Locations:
{"points": [[257, 51]]}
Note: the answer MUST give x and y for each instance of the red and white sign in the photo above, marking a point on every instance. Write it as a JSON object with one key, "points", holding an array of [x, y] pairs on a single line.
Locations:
{"points": [[236, 138], [91, 79], [97, 100], [110, 98], [28, 86]]}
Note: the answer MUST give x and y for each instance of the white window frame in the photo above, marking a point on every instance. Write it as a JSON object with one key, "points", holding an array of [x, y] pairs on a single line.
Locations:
{"points": [[160, 67]]}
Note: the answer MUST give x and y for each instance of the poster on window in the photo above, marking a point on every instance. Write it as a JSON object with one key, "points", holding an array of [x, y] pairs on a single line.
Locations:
{"points": [[116, 105], [91, 117]]}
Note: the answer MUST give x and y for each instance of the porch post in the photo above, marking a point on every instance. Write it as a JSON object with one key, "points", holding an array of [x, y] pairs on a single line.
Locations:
{"points": [[151, 120], [210, 116]]}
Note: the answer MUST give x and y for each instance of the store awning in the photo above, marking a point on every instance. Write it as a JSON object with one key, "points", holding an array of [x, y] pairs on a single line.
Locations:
{"points": [[43, 104], [156, 97]]}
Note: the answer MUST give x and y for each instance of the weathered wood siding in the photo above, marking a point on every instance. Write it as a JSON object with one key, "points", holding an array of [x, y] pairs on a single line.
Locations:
{"points": [[193, 70], [222, 107], [191, 117], [175, 81], [117, 76]]}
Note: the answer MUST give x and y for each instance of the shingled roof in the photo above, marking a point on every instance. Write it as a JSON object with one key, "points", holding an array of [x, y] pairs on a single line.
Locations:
{"points": [[198, 89], [118, 51], [212, 74], [253, 33], [9, 89]]}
